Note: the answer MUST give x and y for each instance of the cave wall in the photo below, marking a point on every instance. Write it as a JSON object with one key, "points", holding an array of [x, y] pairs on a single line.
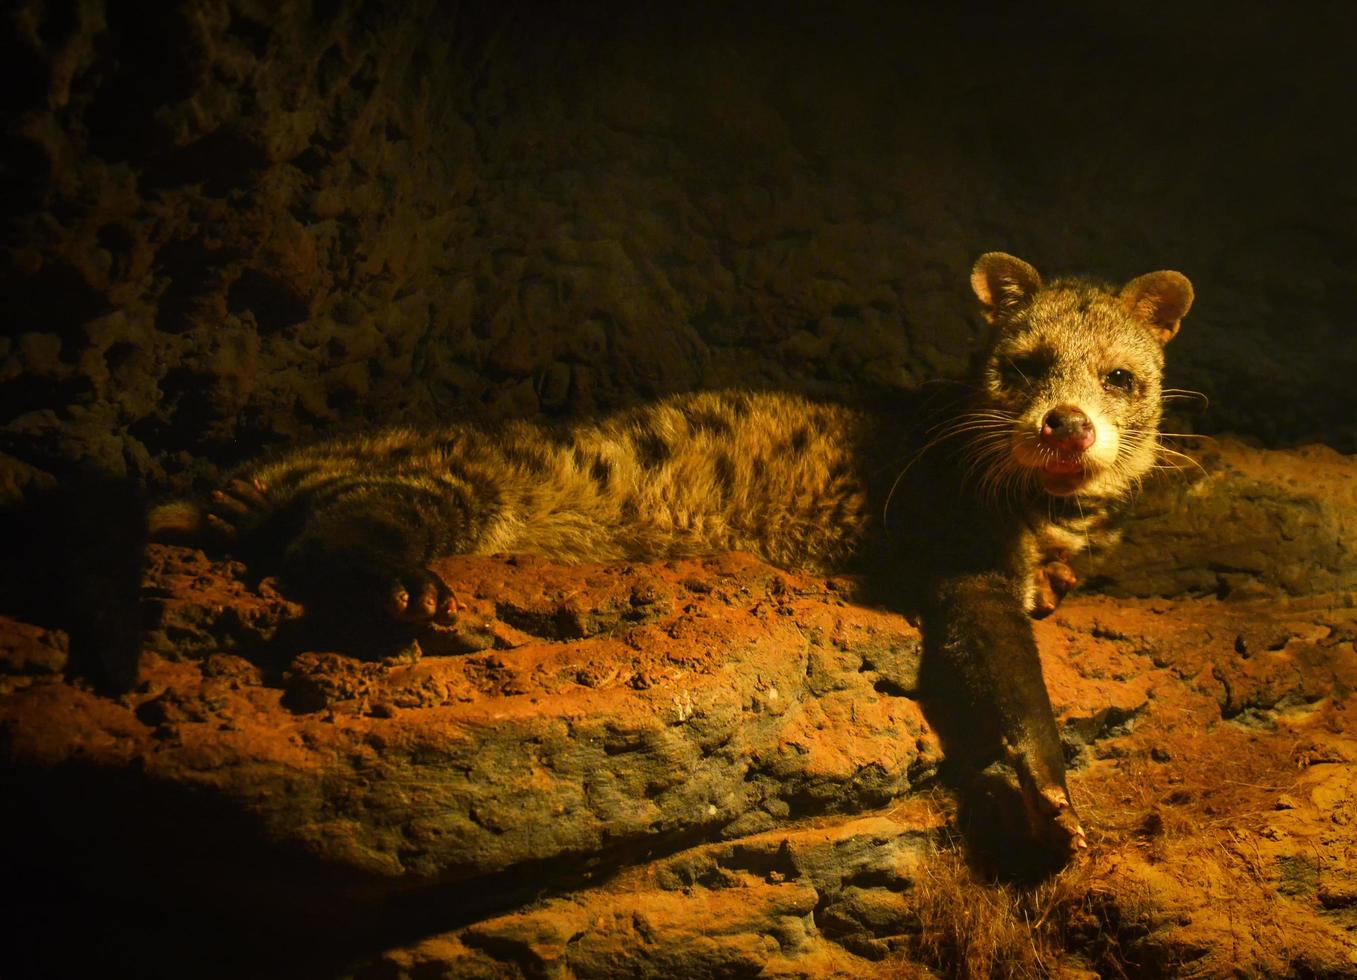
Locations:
{"points": [[237, 223]]}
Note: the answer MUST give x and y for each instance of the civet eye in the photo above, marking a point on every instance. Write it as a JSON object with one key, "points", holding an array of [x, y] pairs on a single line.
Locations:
{"points": [[1119, 379], [1023, 370]]}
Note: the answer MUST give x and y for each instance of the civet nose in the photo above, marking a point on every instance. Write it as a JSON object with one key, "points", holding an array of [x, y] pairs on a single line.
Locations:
{"points": [[1067, 427]]}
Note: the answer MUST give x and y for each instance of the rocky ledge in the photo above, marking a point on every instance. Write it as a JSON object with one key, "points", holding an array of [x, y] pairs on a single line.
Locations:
{"points": [[700, 768]]}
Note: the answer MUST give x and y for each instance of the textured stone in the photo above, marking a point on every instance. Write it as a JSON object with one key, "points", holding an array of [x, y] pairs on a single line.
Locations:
{"points": [[1245, 523], [706, 766], [616, 710], [27, 651], [762, 904]]}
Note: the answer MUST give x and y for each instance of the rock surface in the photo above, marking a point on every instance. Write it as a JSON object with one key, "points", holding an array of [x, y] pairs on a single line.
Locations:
{"points": [[706, 767], [1238, 523]]}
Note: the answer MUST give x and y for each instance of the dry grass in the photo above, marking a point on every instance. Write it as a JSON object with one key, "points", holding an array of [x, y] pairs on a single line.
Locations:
{"points": [[972, 928]]}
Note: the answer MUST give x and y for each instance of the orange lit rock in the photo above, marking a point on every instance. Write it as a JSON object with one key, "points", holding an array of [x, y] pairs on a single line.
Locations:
{"points": [[707, 765]]}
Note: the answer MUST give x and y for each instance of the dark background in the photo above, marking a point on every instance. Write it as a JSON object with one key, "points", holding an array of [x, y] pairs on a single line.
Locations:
{"points": [[231, 224]]}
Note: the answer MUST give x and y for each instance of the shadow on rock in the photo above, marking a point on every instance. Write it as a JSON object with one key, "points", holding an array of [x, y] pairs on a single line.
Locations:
{"points": [[74, 561]]}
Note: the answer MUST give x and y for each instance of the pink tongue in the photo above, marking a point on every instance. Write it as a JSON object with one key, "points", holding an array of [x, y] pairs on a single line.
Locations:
{"points": [[1064, 467]]}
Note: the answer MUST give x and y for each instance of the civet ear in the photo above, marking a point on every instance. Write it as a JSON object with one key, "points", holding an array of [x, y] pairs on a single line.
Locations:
{"points": [[1160, 300], [1003, 283]]}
